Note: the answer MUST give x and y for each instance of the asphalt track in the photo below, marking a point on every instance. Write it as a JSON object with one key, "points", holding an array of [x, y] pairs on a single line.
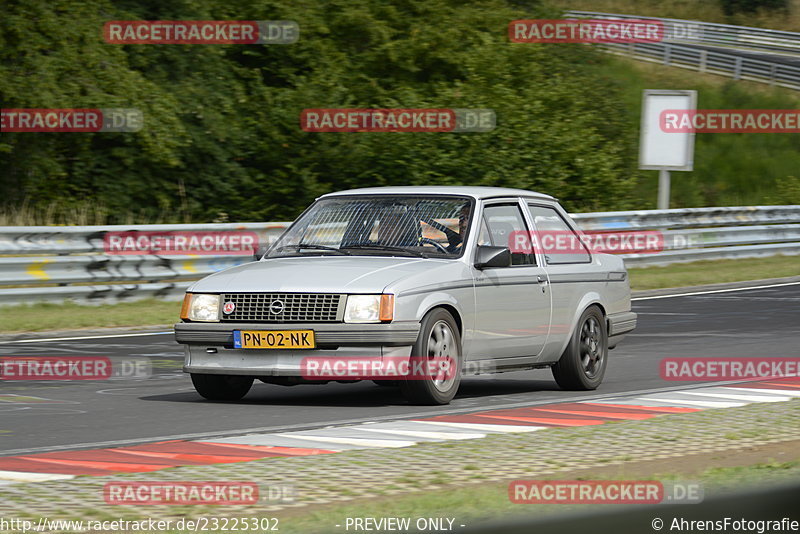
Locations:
{"points": [[86, 414]]}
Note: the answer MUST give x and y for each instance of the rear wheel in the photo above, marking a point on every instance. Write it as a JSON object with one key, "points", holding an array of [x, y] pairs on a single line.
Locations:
{"points": [[222, 387], [583, 364], [438, 341]]}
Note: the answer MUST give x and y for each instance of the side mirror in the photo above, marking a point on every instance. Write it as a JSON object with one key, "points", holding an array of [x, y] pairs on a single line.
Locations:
{"points": [[488, 257], [259, 252]]}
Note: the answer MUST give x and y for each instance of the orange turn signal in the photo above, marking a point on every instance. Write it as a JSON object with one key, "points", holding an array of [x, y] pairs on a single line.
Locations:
{"points": [[386, 311], [187, 301]]}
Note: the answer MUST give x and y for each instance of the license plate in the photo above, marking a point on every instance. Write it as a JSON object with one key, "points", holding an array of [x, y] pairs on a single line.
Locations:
{"points": [[274, 339]]}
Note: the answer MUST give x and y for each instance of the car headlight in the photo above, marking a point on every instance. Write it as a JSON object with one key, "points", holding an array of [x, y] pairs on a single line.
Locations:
{"points": [[200, 307], [369, 308]]}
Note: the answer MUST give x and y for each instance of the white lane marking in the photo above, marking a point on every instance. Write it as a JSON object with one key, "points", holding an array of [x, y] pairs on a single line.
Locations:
{"points": [[105, 336], [707, 404], [13, 408], [21, 476], [744, 397], [486, 427], [424, 434], [708, 292], [782, 392], [350, 441]]}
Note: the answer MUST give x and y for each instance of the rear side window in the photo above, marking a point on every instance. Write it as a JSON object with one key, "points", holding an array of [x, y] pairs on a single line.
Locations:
{"points": [[502, 221], [559, 243]]}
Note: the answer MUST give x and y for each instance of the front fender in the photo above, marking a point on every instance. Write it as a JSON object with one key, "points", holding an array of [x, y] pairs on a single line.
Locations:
{"points": [[435, 299]]}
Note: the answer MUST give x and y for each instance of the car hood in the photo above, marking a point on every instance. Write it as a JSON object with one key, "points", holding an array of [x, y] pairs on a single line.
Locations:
{"points": [[323, 274]]}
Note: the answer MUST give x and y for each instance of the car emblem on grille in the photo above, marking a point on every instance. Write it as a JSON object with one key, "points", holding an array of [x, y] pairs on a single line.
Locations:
{"points": [[276, 307], [228, 307]]}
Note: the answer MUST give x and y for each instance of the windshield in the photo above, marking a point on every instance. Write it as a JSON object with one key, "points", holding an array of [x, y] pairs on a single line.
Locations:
{"points": [[381, 225]]}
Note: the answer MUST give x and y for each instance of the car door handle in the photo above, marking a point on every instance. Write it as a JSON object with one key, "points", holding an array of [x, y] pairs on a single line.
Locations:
{"points": [[542, 282]]}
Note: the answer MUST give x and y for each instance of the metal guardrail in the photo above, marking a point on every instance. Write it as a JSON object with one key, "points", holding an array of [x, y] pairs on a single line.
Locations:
{"points": [[680, 49], [712, 34], [89, 239], [711, 62], [45, 263]]}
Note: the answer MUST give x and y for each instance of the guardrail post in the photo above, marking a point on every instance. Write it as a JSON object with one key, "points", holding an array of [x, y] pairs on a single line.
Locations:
{"points": [[663, 189], [703, 60], [737, 69], [773, 74], [667, 54]]}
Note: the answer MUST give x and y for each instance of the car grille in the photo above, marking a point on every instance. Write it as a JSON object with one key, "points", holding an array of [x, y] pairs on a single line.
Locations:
{"points": [[285, 307]]}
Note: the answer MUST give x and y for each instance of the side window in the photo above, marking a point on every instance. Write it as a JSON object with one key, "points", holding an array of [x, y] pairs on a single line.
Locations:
{"points": [[484, 238], [502, 221], [559, 243]]}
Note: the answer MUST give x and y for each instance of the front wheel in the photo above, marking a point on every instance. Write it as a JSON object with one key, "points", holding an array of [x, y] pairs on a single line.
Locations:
{"points": [[438, 341], [222, 387], [583, 364]]}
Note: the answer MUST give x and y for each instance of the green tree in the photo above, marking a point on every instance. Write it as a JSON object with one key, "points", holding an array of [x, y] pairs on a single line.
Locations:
{"points": [[222, 122]]}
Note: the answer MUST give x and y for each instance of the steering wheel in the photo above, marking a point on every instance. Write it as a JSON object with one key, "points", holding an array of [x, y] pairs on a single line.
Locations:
{"points": [[429, 241]]}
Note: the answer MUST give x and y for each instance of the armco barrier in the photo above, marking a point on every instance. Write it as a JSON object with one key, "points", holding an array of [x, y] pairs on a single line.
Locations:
{"points": [[45, 263], [712, 62], [712, 34], [715, 48]]}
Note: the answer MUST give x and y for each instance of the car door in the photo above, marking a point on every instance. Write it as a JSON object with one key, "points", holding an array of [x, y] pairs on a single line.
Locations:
{"points": [[513, 304], [569, 267]]}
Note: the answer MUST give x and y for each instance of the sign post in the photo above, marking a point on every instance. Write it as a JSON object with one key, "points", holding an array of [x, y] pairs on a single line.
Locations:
{"points": [[660, 150]]}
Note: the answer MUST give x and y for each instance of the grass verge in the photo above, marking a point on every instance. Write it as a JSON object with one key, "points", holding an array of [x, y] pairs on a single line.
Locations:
{"points": [[474, 504], [70, 316], [713, 272]]}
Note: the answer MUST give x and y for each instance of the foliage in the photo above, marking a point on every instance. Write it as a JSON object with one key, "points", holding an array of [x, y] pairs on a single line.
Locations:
{"points": [[730, 7], [222, 121]]}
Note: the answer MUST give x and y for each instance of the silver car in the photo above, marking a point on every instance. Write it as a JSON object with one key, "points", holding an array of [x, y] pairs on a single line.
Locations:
{"points": [[385, 275]]}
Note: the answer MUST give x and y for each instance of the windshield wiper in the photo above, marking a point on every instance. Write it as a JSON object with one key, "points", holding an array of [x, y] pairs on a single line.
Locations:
{"points": [[393, 249], [316, 247]]}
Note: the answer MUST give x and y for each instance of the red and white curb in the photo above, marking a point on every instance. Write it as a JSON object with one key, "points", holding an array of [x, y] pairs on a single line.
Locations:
{"points": [[402, 433]]}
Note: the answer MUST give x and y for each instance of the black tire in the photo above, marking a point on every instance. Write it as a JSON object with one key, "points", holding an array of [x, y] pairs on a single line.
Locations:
{"points": [[387, 383], [222, 387], [440, 327], [583, 364]]}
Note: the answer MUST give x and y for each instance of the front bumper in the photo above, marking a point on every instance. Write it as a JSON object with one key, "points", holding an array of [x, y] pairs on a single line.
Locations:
{"points": [[209, 346]]}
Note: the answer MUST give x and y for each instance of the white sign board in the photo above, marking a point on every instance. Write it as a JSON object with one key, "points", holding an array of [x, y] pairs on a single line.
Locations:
{"points": [[660, 150]]}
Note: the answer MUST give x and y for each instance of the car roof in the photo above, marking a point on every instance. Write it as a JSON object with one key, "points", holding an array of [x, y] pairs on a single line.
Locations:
{"points": [[477, 192]]}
